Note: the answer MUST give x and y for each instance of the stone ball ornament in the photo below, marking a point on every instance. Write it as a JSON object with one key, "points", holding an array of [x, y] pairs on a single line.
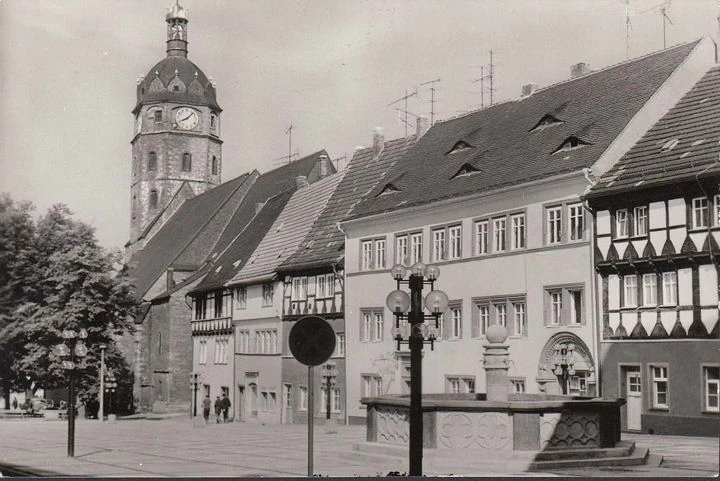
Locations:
{"points": [[496, 334]]}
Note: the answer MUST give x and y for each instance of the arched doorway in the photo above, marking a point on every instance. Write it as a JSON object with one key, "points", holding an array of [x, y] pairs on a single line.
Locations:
{"points": [[582, 382]]}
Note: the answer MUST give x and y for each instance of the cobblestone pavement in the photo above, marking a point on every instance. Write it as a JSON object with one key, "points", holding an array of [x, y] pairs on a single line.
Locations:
{"points": [[177, 447]]}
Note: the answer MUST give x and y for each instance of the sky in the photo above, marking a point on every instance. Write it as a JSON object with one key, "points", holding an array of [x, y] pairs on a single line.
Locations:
{"points": [[329, 68]]}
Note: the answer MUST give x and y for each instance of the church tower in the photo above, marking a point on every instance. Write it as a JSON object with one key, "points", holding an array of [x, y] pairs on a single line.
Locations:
{"points": [[176, 147]]}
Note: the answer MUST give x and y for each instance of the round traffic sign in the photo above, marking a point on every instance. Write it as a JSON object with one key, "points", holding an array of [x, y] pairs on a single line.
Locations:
{"points": [[312, 340]]}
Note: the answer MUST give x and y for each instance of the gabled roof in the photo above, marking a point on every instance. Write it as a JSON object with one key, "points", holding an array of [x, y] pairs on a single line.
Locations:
{"points": [[324, 244], [288, 230], [179, 232], [683, 144], [266, 186], [236, 255], [504, 144]]}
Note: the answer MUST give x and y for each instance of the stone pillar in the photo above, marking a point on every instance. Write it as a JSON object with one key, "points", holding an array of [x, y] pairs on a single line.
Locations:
{"points": [[496, 363]]}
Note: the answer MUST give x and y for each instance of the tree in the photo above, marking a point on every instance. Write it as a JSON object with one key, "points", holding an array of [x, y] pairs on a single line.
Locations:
{"points": [[17, 231], [72, 284]]}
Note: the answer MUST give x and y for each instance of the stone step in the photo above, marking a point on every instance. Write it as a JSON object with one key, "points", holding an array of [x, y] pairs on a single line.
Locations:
{"points": [[622, 449], [638, 457]]}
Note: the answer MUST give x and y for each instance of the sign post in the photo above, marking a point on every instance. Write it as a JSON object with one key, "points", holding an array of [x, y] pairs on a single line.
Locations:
{"points": [[312, 342]]}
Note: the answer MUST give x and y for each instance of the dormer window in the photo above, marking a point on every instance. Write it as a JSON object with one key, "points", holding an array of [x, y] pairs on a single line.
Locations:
{"points": [[547, 121], [388, 189], [571, 143], [459, 146], [466, 169]]}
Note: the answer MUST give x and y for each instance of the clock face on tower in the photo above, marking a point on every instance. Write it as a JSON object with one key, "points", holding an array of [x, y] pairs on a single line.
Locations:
{"points": [[186, 118]]}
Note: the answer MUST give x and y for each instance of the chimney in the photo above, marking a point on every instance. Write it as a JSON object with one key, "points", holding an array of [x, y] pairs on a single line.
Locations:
{"points": [[170, 275], [378, 141], [422, 124], [529, 89], [323, 166], [579, 69], [301, 181], [259, 206]]}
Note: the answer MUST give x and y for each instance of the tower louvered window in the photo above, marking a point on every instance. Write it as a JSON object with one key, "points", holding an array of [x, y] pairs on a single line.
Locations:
{"points": [[187, 162], [152, 161], [153, 199]]}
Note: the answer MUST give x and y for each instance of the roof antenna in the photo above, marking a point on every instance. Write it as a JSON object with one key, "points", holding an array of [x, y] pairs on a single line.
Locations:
{"points": [[432, 98], [628, 27], [482, 86], [661, 8], [289, 132], [491, 75], [405, 98]]}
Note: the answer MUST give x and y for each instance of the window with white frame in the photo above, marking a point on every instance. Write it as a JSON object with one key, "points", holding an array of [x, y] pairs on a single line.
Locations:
{"points": [[268, 290], [640, 223], [659, 376], [469, 384], [401, 250], [202, 351], [340, 344], [298, 291], [700, 212], [518, 385], [415, 248], [711, 382], [371, 385], [438, 250], [240, 297], [367, 255], [517, 223], [380, 254], [622, 224], [556, 307], [200, 304], [575, 296], [501, 314], [459, 384], [499, 234], [244, 341], [576, 221], [455, 242], [453, 385], [482, 322], [320, 287], [325, 286], [670, 288], [371, 325], [630, 291], [221, 351], [481, 237], [520, 325], [554, 224], [330, 284], [335, 400], [649, 290], [303, 398], [456, 329]]}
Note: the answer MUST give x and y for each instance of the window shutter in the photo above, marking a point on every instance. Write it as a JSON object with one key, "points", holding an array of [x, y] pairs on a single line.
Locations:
{"points": [[527, 321], [362, 326], [511, 319], [475, 322]]}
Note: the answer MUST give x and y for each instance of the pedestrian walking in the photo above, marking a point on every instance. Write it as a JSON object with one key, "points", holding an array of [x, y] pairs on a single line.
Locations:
{"points": [[15, 403], [225, 403], [206, 404], [218, 409]]}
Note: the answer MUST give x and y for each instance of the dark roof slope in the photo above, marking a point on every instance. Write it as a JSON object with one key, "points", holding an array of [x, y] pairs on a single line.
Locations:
{"points": [[235, 256], [504, 145], [196, 90], [179, 231], [266, 186], [325, 243], [684, 143]]}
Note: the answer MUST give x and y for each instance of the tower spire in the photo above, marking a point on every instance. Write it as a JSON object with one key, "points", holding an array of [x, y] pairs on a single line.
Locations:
{"points": [[177, 21]]}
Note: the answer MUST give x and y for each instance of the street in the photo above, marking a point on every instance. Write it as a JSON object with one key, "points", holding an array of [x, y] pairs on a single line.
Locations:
{"points": [[175, 447]]}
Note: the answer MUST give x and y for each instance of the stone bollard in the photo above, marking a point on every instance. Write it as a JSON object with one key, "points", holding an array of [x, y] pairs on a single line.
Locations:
{"points": [[496, 363]]}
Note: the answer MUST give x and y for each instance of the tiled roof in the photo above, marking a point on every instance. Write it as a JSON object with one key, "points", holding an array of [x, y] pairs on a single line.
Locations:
{"points": [[325, 243], [504, 145], [266, 186], [179, 231], [241, 248], [684, 143], [288, 230]]}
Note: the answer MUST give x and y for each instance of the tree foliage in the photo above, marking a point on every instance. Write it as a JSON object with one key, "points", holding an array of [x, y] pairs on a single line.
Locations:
{"points": [[60, 278]]}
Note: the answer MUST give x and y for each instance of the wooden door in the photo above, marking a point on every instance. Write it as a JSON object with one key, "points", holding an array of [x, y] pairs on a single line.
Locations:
{"points": [[633, 381]]}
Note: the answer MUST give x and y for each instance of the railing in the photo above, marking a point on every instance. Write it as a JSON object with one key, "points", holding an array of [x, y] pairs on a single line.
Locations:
{"points": [[221, 325]]}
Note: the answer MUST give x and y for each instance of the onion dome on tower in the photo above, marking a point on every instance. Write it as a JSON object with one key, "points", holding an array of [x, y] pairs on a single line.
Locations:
{"points": [[175, 78]]}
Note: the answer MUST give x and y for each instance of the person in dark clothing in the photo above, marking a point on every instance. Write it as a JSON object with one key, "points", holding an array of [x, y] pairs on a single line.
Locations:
{"points": [[225, 403], [206, 404], [218, 409]]}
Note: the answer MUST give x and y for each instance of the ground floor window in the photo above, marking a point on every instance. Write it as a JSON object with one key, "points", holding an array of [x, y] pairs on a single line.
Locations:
{"points": [[371, 385], [659, 376], [711, 377], [303, 395]]}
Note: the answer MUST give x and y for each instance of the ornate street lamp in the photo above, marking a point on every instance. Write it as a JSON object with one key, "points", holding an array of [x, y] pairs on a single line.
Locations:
{"points": [[413, 331], [72, 349], [329, 374], [564, 362]]}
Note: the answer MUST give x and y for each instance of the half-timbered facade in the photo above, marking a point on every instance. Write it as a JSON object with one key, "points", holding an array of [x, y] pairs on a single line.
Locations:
{"points": [[656, 246]]}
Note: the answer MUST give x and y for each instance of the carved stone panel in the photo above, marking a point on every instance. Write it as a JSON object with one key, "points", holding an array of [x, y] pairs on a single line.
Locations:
{"points": [[486, 431], [393, 426], [569, 430]]}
